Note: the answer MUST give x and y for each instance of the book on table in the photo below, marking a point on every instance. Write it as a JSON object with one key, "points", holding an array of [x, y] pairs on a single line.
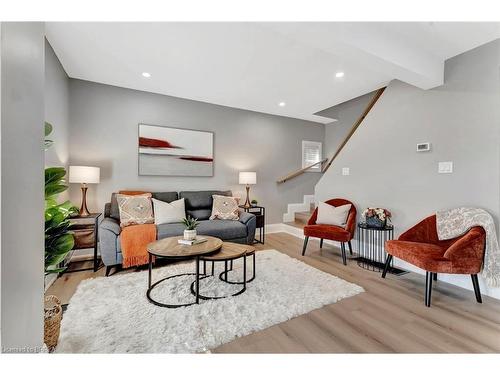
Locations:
{"points": [[196, 241]]}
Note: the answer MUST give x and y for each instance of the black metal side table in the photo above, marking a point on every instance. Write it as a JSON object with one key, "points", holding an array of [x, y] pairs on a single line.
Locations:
{"points": [[260, 213], [371, 247], [84, 230]]}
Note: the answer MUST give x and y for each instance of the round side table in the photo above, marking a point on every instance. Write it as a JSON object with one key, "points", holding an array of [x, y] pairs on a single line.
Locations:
{"points": [[228, 252], [171, 249], [371, 246]]}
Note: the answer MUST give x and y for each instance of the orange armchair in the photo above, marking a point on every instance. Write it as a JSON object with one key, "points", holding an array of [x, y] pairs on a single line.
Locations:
{"points": [[421, 247], [332, 232]]}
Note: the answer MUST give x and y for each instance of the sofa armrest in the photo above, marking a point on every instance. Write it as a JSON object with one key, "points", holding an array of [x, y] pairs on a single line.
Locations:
{"points": [[250, 221], [110, 224], [245, 217]]}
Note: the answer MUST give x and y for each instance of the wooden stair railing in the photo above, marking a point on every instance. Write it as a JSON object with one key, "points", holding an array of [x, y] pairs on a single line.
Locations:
{"points": [[324, 164], [372, 102], [300, 171]]}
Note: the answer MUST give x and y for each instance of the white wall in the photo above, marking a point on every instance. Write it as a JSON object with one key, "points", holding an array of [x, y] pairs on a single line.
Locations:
{"points": [[462, 121], [103, 132], [22, 241]]}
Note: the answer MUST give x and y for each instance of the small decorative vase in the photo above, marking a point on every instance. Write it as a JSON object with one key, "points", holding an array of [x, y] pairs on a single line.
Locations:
{"points": [[189, 235], [375, 222]]}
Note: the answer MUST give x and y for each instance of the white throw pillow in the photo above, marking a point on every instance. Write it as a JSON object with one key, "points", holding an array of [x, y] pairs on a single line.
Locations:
{"points": [[333, 215], [166, 213]]}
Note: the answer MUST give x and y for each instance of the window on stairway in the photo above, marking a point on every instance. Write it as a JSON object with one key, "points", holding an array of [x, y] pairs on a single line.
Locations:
{"points": [[311, 154]]}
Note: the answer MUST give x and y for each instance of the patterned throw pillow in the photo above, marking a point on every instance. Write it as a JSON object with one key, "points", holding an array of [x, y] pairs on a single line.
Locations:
{"points": [[135, 209], [225, 208]]}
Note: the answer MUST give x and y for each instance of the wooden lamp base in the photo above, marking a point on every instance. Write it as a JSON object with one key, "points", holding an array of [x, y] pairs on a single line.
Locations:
{"points": [[83, 208]]}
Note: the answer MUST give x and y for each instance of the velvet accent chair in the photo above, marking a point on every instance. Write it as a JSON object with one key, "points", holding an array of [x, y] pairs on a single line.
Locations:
{"points": [[332, 232], [421, 247]]}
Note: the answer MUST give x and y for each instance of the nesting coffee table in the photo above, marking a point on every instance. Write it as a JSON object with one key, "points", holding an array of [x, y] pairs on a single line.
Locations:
{"points": [[213, 250]]}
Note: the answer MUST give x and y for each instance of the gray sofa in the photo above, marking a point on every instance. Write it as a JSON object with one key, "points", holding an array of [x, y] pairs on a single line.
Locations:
{"points": [[198, 205]]}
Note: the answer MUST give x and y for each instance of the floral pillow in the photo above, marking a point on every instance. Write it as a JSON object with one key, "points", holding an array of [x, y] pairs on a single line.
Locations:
{"points": [[135, 209], [225, 208]]}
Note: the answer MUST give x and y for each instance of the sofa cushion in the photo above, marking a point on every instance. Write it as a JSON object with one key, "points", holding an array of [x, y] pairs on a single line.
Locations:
{"points": [[114, 211], [223, 229], [225, 208], [168, 196], [328, 232], [165, 213], [427, 256], [199, 203], [135, 209]]}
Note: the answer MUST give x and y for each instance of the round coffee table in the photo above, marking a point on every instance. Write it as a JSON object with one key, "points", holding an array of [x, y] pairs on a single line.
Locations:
{"points": [[228, 252], [250, 251], [169, 248]]}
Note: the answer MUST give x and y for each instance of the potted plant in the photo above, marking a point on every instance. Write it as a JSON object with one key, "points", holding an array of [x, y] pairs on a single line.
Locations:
{"points": [[190, 231], [254, 202], [376, 217], [59, 241]]}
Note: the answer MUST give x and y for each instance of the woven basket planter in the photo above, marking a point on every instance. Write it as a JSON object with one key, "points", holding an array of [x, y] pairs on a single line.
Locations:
{"points": [[52, 321]]}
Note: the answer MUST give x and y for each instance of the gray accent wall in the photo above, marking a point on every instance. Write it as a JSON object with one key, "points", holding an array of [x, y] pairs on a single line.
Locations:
{"points": [[22, 200], [103, 132], [56, 108], [462, 121]]}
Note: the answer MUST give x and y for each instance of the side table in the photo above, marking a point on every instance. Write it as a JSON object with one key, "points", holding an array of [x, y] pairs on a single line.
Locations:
{"points": [[371, 247], [85, 231], [260, 214]]}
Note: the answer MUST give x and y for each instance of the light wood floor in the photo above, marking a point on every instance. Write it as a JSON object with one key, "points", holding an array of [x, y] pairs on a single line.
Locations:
{"points": [[389, 317]]}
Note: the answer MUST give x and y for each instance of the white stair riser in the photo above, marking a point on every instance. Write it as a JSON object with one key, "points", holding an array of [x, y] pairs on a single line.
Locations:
{"points": [[289, 216]]}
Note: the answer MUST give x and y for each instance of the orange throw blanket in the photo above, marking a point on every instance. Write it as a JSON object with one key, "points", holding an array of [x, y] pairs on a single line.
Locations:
{"points": [[134, 240]]}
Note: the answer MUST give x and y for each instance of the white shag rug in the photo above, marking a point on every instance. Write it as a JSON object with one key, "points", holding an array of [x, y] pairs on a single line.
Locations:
{"points": [[113, 315]]}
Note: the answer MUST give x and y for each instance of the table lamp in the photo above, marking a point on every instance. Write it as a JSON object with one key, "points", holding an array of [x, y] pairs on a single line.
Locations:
{"points": [[248, 178], [84, 175]]}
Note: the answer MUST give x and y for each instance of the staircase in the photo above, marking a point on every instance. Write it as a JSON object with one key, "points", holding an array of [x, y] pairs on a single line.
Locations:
{"points": [[302, 217]]}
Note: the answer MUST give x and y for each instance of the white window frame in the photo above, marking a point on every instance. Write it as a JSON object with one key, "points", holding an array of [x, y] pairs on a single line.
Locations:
{"points": [[312, 144]]}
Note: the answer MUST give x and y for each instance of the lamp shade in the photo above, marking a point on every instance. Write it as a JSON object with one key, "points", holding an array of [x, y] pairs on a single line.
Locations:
{"points": [[84, 175], [248, 178]]}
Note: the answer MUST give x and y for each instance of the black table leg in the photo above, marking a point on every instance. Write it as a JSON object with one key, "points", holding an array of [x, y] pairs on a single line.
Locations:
{"points": [[197, 280], [150, 269]]}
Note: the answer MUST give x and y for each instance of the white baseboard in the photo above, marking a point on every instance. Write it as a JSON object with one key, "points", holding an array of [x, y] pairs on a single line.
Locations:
{"points": [[294, 231], [462, 281], [298, 207]]}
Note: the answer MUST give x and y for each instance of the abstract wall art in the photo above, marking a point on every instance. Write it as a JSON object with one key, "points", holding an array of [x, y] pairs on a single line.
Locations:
{"points": [[166, 151]]}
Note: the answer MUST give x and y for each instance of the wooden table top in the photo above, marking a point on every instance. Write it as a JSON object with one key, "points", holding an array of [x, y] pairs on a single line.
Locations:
{"points": [[230, 250], [169, 247]]}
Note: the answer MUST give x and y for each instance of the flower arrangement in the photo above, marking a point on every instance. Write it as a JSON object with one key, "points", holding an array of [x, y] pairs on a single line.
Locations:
{"points": [[380, 213], [376, 217]]}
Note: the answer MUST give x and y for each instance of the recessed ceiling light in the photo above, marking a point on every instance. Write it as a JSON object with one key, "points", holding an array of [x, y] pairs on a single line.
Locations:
{"points": [[282, 104], [339, 74], [146, 74]]}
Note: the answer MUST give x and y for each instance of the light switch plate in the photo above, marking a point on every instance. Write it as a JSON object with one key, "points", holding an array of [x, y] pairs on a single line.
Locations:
{"points": [[345, 171], [445, 167]]}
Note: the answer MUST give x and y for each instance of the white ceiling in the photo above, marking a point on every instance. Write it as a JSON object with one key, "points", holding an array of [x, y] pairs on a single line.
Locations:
{"points": [[255, 66]]}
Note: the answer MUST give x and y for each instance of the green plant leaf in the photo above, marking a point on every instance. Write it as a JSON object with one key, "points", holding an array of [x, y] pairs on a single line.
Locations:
{"points": [[54, 174], [48, 128]]}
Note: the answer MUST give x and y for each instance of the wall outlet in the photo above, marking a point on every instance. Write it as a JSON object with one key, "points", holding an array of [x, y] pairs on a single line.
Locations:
{"points": [[445, 167], [423, 147], [345, 171]]}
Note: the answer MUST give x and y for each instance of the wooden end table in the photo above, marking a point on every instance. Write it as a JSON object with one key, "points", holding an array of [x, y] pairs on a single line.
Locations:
{"points": [[169, 248]]}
